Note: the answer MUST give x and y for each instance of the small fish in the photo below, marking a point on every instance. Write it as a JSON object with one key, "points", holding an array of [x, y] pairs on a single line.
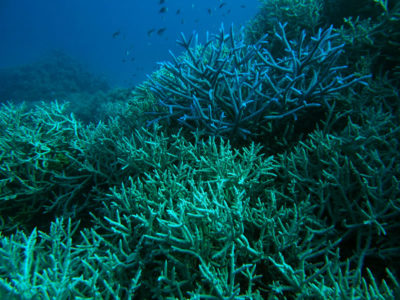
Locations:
{"points": [[161, 30], [161, 2], [222, 4], [116, 34], [178, 11], [243, 6], [209, 11], [150, 32], [163, 9]]}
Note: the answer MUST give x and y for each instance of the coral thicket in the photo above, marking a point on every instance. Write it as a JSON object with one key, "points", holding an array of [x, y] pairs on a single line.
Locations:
{"points": [[263, 164]]}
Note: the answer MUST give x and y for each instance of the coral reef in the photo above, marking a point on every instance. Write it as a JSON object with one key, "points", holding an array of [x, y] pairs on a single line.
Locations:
{"points": [[229, 89], [54, 76], [130, 208]]}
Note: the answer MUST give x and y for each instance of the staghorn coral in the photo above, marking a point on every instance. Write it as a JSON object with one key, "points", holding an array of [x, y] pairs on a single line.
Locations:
{"points": [[229, 89], [206, 219], [298, 14], [218, 224]]}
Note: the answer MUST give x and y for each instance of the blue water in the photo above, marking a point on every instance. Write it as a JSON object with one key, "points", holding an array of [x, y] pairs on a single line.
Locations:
{"points": [[111, 38]]}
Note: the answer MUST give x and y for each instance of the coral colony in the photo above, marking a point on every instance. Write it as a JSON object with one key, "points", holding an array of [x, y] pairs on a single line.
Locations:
{"points": [[226, 88], [184, 191]]}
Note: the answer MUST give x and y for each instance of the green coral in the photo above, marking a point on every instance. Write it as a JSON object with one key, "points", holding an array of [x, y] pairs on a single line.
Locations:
{"points": [[117, 210], [298, 14], [32, 174]]}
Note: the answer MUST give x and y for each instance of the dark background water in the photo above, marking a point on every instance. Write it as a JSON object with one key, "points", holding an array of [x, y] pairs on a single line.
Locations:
{"points": [[111, 38]]}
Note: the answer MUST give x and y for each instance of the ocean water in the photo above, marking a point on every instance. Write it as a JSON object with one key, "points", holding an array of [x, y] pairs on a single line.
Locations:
{"points": [[121, 40]]}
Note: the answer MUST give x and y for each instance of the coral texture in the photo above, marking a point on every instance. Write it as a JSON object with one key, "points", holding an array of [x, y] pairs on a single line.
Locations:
{"points": [[226, 88]]}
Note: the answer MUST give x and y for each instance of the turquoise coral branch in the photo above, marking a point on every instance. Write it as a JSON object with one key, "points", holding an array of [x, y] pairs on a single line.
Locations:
{"points": [[226, 88]]}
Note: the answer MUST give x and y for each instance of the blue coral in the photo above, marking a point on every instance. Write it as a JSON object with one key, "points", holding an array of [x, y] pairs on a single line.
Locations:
{"points": [[230, 89]]}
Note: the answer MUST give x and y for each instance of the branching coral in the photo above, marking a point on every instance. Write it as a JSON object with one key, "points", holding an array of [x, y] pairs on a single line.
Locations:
{"points": [[206, 218], [226, 88]]}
